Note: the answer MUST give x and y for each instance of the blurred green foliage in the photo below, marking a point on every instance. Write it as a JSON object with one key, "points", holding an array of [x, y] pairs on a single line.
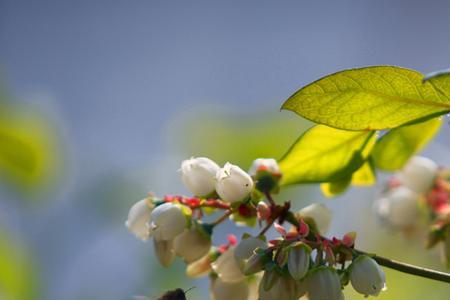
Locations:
{"points": [[18, 274]]}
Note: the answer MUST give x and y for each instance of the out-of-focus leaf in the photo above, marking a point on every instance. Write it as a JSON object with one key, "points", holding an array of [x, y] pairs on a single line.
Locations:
{"points": [[18, 276], [325, 154], [440, 81], [331, 189], [371, 98], [29, 154], [365, 176], [395, 148]]}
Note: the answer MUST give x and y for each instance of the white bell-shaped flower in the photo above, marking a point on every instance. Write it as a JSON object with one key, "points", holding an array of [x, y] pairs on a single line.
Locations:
{"points": [[298, 261], [246, 247], [265, 164], [200, 267], [324, 283], [227, 267], [164, 251], [138, 217], [192, 244], [367, 277], [233, 184], [283, 288], [222, 290], [398, 207], [320, 214], [419, 174], [167, 221], [198, 175]]}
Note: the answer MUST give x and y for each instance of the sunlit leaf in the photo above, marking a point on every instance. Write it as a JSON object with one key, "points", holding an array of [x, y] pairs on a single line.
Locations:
{"points": [[395, 148], [371, 98], [364, 176], [28, 150], [18, 277], [325, 154], [331, 189]]}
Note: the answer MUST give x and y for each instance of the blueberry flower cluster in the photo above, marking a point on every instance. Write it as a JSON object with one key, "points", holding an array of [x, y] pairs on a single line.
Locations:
{"points": [[300, 263], [421, 188]]}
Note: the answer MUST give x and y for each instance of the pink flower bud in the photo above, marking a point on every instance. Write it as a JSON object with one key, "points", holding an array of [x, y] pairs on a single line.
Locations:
{"points": [[198, 175], [263, 211]]}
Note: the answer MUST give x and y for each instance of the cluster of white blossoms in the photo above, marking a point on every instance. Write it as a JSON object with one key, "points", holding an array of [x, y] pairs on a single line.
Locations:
{"points": [[300, 263], [420, 186]]}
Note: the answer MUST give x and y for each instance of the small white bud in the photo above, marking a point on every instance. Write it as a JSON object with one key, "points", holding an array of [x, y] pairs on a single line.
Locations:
{"points": [[266, 164], [138, 217], [298, 261], [167, 221], [324, 283], [245, 249], [222, 290], [233, 184], [320, 214], [419, 174], [398, 208], [192, 244], [164, 251], [198, 175], [227, 267], [367, 277]]}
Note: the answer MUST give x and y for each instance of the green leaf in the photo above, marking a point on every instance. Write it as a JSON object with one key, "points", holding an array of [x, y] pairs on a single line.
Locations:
{"points": [[331, 189], [364, 176], [371, 98], [325, 154], [440, 80], [395, 148]]}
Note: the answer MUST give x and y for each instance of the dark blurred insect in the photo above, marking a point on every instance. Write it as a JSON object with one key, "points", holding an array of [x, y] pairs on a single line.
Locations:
{"points": [[176, 294]]}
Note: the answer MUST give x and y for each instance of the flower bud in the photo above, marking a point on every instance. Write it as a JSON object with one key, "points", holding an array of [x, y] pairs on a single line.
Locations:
{"points": [[198, 175], [227, 267], [245, 249], [138, 217], [367, 277], [233, 184], [320, 214], [398, 208], [419, 174], [298, 260], [266, 173], [324, 283], [192, 244], [263, 211], [200, 268], [264, 164], [222, 290], [164, 251], [167, 221]]}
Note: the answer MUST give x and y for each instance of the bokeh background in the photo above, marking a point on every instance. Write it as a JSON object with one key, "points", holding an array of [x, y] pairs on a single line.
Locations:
{"points": [[101, 100]]}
